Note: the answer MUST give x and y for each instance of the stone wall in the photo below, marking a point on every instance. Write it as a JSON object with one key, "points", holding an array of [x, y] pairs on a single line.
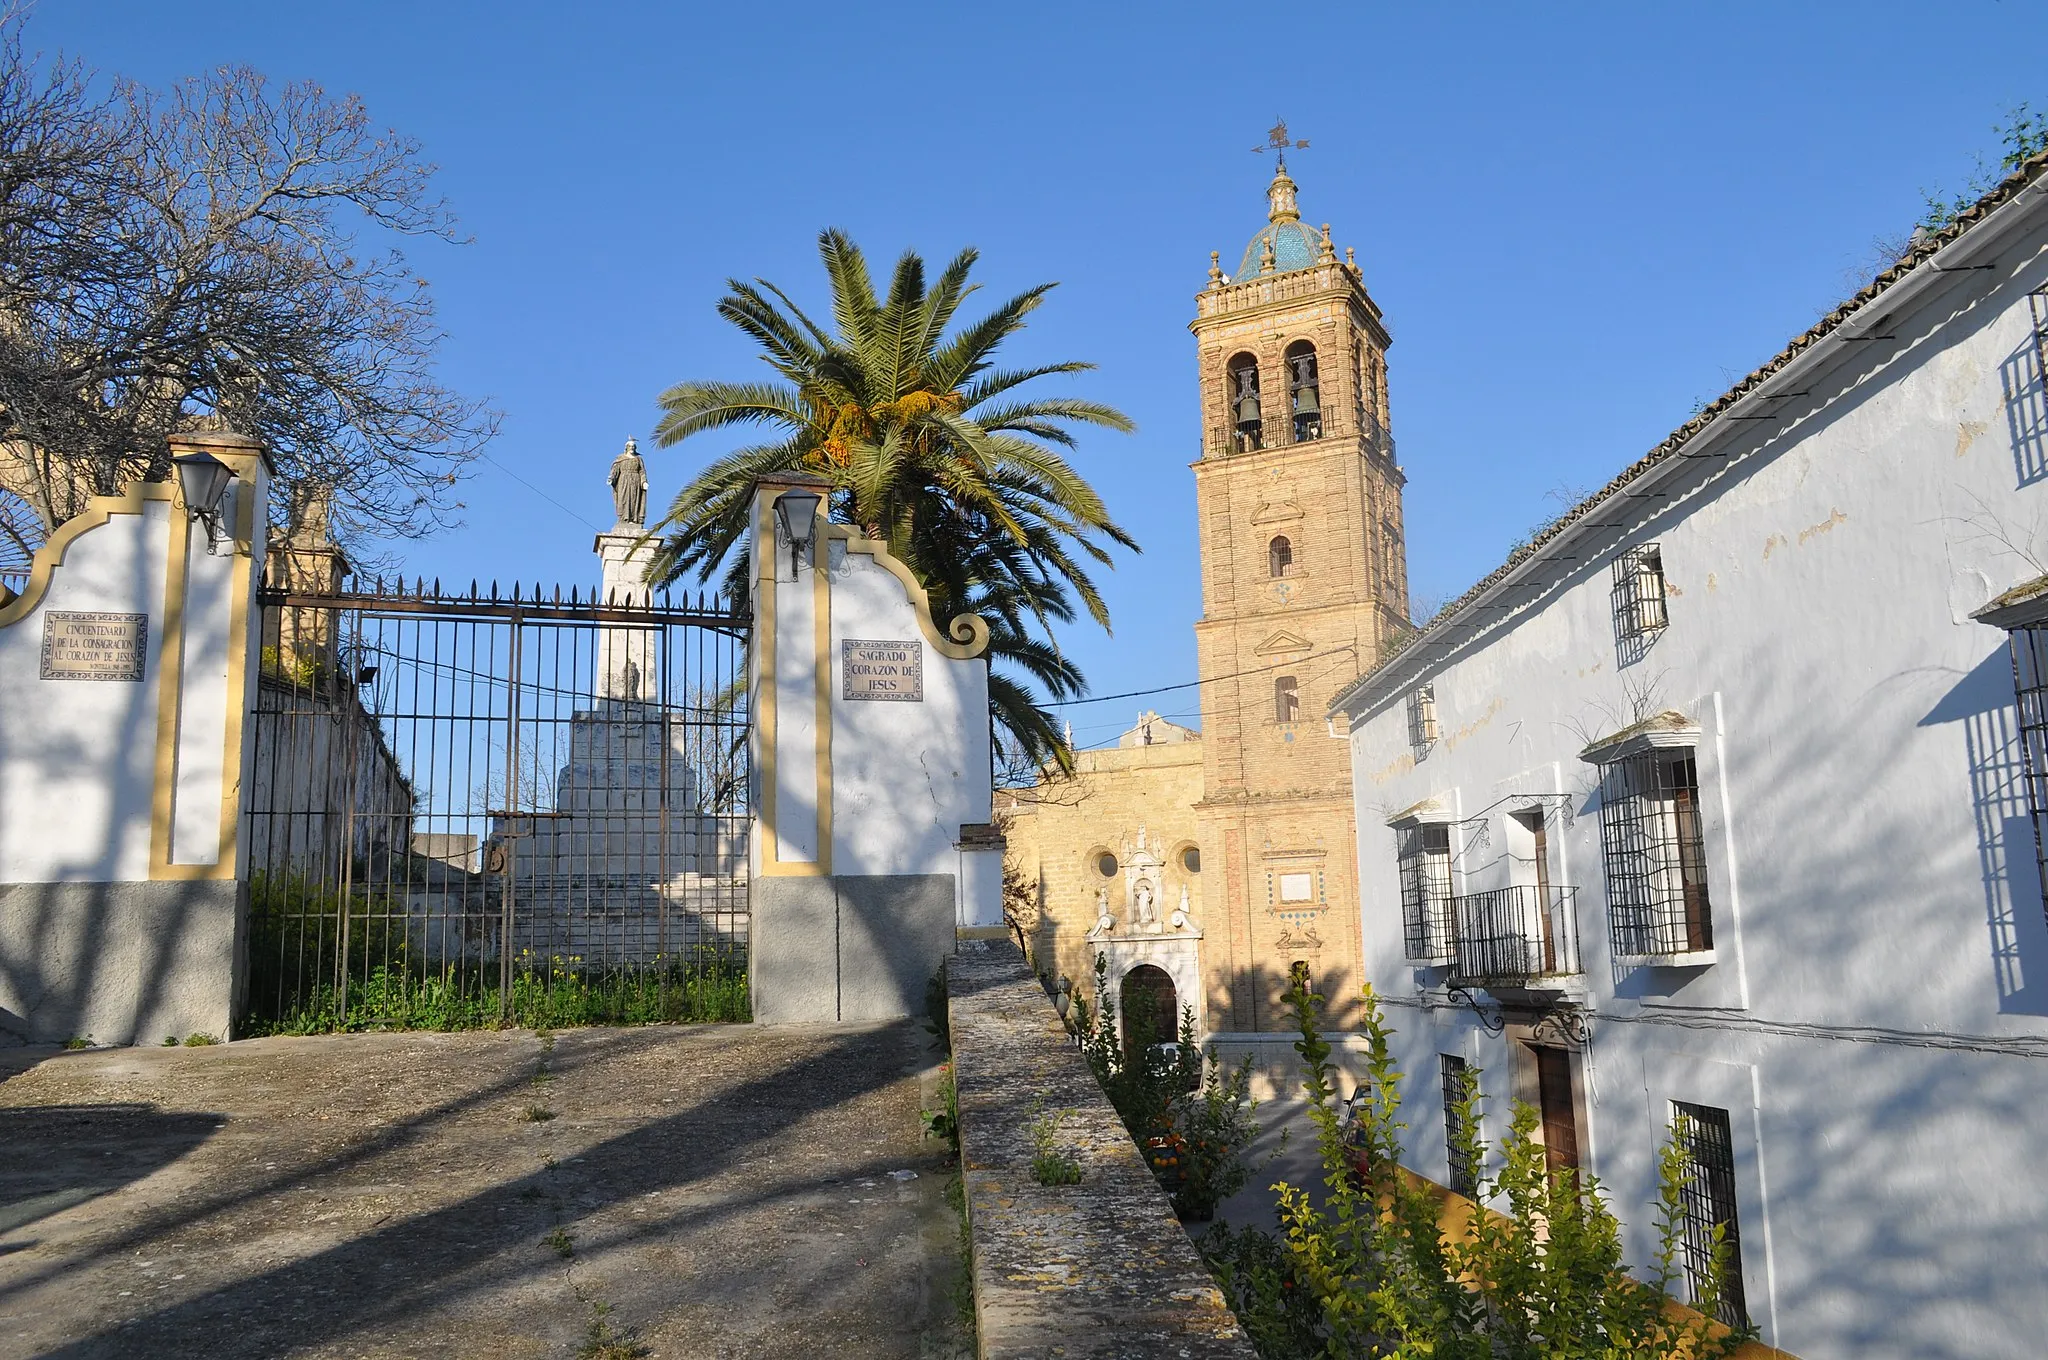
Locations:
{"points": [[1098, 1269]]}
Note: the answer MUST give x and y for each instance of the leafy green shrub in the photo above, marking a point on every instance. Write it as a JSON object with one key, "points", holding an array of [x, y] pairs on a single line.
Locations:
{"points": [[1193, 1131], [1371, 1271]]}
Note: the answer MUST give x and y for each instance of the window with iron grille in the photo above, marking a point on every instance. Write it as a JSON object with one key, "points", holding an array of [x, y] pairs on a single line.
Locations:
{"points": [[1638, 594], [1286, 699], [2030, 689], [1422, 729], [1280, 557], [1708, 1202], [1458, 1086], [1655, 854], [1426, 893], [2038, 300]]}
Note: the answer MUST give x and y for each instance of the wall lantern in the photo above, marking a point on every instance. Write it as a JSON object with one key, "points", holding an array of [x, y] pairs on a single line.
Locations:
{"points": [[798, 513], [204, 479]]}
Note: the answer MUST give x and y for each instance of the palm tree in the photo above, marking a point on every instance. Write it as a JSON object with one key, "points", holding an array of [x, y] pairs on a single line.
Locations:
{"points": [[930, 450]]}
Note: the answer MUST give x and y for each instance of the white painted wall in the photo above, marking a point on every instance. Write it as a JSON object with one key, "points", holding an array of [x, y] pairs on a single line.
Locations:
{"points": [[905, 776], [78, 758], [1876, 1017]]}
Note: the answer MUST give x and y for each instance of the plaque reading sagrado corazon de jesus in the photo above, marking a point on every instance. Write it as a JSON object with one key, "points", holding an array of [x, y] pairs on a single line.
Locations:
{"points": [[882, 670], [94, 646]]}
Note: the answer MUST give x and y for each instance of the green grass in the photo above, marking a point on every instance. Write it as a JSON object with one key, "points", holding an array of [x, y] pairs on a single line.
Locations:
{"points": [[300, 942], [560, 1241]]}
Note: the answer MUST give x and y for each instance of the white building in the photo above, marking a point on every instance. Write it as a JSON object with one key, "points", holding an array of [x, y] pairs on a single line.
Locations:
{"points": [[1717, 796]]}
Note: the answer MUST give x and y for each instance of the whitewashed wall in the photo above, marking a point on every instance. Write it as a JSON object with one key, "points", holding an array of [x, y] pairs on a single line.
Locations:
{"points": [[1874, 1017], [121, 880], [865, 854]]}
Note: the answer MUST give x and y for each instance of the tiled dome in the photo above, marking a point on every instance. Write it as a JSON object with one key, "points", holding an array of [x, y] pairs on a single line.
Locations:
{"points": [[1294, 245]]}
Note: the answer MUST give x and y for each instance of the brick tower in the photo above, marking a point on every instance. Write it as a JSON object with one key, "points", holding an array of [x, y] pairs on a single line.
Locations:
{"points": [[1303, 571]]}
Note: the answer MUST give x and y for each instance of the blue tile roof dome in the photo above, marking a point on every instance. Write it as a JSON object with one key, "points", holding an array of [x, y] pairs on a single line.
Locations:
{"points": [[1294, 244]]}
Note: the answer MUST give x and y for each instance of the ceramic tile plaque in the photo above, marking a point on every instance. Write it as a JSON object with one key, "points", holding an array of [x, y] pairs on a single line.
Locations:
{"points": [[882, 670], [94, 646]]}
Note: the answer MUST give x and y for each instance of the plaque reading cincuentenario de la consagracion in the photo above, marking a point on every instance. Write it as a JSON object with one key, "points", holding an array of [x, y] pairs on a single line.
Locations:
{"points": [[882, 670], [94, 646]]}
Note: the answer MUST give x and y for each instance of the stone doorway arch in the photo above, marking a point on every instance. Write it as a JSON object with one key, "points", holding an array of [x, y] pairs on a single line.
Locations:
{"points": [[1151, 1006]]}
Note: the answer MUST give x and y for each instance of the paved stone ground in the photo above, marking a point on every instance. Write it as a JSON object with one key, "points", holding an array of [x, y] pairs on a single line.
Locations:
{"points": [[726, 1191]]}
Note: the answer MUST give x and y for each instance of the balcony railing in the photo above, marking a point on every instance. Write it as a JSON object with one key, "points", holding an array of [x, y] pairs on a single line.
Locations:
{"points": [[1511, 937]]}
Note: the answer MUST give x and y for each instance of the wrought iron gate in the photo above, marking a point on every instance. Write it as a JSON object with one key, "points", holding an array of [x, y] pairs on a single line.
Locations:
{"points": [[469, 809]]}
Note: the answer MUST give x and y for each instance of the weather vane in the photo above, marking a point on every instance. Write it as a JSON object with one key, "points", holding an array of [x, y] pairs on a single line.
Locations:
{"points": [[1276, 141]]}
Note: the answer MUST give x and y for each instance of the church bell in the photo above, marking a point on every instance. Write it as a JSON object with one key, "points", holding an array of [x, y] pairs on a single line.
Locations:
{"points": [[1248, 409], [1305, 402]]}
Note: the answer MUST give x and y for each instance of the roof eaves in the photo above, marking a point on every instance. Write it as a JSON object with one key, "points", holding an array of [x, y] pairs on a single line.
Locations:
{"points": [[2008, 189]]}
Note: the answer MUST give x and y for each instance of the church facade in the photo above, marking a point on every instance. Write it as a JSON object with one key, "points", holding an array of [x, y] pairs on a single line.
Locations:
{"points": [[1249, 820]]}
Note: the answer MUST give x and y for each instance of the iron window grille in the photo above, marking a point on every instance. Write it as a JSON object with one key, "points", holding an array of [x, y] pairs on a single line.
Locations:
{"points": [[1458, 1087], [1422, 726], [1638, 594], [1708, 1203], [1514, 936], [1286, 699], [2029, 646], [1426, 893], [1280, 557], [2038, 301], [1655, 854]]}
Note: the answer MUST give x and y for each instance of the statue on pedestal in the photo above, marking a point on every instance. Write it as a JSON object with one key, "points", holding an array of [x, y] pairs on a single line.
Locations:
{"points": [[629, 485]]}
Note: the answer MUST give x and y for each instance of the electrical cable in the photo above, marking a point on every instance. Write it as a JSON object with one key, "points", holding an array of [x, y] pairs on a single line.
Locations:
{"points": [[1206, 680]]}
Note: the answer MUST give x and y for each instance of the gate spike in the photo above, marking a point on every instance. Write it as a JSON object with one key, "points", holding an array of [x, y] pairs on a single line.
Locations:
{"points": [[572, 594], [472, 587], [558, 592], [437, 587], [494, 590]]}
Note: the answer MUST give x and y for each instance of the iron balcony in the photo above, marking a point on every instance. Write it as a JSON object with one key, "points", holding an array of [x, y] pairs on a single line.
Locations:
{"points": [[1512, 937]]}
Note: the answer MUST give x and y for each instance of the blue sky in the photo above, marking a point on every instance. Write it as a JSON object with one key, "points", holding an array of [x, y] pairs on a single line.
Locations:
{"points": [[1580, 220]]}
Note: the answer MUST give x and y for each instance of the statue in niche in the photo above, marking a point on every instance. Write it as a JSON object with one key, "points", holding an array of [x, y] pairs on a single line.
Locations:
{"points": [[1145, 884], [1103, 920], [629, 485]]}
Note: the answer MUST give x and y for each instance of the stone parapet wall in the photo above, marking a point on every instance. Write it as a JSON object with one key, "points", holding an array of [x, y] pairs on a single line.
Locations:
{"points": [[1098, 1269]]}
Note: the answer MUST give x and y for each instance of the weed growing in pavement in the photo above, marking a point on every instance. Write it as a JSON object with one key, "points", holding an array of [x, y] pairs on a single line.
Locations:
{"points": [[170, 1041], [601, 1342], [538, 1114], [79, 1041], [199, 1040], [944, 1122], [560, 1241]]}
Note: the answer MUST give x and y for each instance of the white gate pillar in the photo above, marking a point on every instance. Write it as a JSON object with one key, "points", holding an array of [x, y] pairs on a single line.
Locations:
{"points": [[129, 664], [871, 753]]}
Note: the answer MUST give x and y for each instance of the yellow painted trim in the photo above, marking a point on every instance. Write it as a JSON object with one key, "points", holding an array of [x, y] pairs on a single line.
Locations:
{"points": [[170, 685], [969, 632], [764, 677], [821, 683], [766, 720], [50, 556]]}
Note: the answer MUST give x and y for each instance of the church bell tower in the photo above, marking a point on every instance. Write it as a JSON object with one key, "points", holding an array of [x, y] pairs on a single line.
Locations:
{"points": [[1303, 572]]}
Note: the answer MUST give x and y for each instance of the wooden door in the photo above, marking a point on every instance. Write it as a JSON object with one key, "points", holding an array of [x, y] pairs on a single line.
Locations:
{"points": [[1558, 1110]]}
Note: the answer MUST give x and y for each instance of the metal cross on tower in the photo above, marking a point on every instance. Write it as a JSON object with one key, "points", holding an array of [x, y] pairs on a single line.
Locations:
{"points": [[1276, 141]]}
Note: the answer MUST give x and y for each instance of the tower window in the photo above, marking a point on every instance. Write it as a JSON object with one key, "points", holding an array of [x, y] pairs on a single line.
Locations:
{"points": [[1280, 557], [1304, 391], [1286, 699], [1247, 417]]}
